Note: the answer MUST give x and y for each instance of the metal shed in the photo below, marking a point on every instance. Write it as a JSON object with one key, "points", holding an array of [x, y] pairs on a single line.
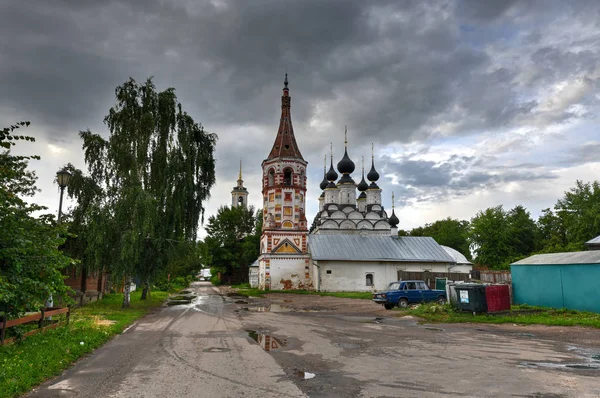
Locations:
{"points": [[558, 280]]}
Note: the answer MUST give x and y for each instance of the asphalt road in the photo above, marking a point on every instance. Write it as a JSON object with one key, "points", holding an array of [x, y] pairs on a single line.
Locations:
{"points": [[298, 346]]}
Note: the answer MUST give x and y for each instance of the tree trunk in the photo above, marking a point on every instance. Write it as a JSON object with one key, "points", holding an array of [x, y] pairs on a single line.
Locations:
{"points": [[146, 291], [127, 293]]}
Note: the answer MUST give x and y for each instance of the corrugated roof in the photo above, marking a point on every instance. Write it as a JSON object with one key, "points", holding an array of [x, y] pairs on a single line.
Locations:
{"points": [[376, 248], [595, 241], [588, 257], [458, 257]]}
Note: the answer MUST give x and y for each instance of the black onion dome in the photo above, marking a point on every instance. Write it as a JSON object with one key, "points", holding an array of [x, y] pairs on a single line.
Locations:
{"points": [[373, 174], [323, 184], [331, 185], [346, 179], [394, 220], [322, 195], [373, 186], [346, 165], [331, 174], [362, 195], [362, 185]]}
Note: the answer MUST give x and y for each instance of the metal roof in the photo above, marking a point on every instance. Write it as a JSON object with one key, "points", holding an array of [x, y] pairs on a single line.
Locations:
{"points": [[595, 241], [376, 248], [588, 257], [458, 257]]}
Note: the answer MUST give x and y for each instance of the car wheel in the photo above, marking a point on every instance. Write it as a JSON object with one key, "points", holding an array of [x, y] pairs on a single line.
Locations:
{"points": [[441, 300], [388, 306], [403, 303]]}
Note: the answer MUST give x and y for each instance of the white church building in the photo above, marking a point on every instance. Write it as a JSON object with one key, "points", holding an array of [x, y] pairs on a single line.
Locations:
{"points": [[352, 244]]}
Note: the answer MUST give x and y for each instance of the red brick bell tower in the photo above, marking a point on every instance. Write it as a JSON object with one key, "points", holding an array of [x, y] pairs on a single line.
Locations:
{"points": [[284, 262]]}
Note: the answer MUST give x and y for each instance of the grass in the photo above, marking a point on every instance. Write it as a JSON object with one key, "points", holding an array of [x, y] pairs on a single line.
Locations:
{"points": [[44, 355], [246, 290], [522, 315]]}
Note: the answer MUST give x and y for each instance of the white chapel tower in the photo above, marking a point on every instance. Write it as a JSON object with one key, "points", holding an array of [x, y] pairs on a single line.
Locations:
{"points": [[239, 195], [284, 261]]}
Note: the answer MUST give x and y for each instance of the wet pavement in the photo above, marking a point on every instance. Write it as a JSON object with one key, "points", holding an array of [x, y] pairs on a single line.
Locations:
{"points": [[208, 343]]}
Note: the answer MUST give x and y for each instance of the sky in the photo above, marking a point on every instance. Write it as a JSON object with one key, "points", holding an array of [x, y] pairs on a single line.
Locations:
{"points": [[469, 104]]}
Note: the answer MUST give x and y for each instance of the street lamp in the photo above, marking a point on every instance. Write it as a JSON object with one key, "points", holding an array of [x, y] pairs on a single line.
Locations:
{"points": [[63, 176]]}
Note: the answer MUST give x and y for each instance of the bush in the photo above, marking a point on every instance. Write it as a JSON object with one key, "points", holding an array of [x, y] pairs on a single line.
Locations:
{"points": [[215, 280]]}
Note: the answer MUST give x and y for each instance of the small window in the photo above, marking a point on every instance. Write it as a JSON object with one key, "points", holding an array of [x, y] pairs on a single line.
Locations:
{"points": [[328, 272], [271, 177], [411, 286], [287, 177], [369, 279], [422, 286]]}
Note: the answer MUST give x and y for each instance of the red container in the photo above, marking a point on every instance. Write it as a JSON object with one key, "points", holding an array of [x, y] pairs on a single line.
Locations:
{"points": [[497, 297]]}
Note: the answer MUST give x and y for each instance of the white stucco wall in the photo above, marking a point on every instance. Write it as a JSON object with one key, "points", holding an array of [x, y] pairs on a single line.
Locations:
{"points": [[285, 273], [351, 275]]}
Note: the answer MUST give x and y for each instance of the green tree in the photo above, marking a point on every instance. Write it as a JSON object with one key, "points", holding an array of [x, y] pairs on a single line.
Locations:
{"points": [[30, 259], [522, 233], [448, 232], [489, 237], [579, 212], [233, 241], [551, 233], [148, 184]]}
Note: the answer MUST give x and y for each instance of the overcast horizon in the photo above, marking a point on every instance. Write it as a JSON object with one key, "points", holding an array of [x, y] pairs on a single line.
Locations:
{"points": [[469, 104]]}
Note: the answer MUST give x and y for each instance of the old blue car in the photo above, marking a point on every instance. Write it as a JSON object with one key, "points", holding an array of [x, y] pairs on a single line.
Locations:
{"points": [[403, 293]]}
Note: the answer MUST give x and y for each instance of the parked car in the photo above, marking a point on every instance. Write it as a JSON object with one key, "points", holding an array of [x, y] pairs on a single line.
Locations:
{"points": [[403, 293]]}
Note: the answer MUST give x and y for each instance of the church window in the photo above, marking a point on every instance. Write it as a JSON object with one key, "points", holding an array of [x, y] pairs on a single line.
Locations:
{"points": [[288, 196], [328, 272], [287, 211], [369, 278], [287, 177], [271, 177]]}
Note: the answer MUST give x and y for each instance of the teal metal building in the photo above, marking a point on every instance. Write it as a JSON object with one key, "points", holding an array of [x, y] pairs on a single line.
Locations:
{"points": [[558, 280]]}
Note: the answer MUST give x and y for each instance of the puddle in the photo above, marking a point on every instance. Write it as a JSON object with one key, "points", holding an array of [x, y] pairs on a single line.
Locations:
{"points": [[182, 297], [241, 302], [216, 349], [178, 302], [266, 341], [269, 308], [552, 365], [596, 357], [235, 295]]}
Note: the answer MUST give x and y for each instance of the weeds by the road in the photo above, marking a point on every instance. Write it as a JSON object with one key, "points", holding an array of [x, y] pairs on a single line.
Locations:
{"points": [[41, 356], [519, 314], [246, 290]]}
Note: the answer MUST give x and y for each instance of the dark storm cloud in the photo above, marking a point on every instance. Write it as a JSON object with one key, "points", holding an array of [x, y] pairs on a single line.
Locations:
{"points": [[424, 180], [392, 71]]}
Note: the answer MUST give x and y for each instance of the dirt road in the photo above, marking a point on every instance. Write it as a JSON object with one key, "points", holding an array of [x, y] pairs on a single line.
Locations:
{"points": [[222, 345]]}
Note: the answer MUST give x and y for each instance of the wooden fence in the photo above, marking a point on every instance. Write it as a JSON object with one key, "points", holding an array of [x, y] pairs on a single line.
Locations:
{"points": [[495, 277], [429, 277], [39, 318]]}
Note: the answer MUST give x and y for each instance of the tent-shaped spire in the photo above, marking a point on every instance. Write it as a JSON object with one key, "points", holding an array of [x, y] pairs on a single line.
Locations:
{"points": [[285, 142]]}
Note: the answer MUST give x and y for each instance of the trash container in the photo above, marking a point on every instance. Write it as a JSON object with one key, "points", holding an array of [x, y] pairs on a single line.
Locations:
{"points": [[497, 298], [471, 297]]}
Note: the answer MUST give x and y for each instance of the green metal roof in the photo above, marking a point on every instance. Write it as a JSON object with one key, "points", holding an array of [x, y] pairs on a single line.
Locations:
{"points": [[588, 257]]}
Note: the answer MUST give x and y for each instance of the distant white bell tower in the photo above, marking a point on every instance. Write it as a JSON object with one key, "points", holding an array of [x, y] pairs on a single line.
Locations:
{"points": [[239, 195]]}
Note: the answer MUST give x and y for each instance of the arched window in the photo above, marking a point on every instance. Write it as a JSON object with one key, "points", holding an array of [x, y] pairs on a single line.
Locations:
{"points": [[271, 177], [287, 177], [369, 279]]}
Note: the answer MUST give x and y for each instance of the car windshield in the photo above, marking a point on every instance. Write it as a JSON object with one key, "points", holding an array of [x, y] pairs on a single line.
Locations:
{"points": [[394, 286]]}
